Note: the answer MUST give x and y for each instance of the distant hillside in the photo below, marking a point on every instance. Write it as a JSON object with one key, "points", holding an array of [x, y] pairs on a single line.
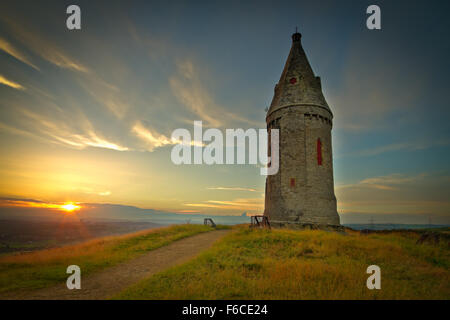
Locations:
{"points": [[35, 234], [95, 211], [109, 212], [394, 226]]}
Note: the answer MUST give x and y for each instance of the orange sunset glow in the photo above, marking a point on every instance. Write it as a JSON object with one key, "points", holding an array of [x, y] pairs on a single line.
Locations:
{"points": [[69, 207], [66, 206]]}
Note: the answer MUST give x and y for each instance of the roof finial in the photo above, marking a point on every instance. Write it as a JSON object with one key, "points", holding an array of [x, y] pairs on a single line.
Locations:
{"points": [[296, 36]]}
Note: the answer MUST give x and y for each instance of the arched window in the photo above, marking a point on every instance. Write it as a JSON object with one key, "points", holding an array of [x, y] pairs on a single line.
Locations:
{"points": [[319, 152]]}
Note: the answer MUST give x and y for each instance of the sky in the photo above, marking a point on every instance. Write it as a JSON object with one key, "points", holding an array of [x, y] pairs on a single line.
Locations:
{"points": [[86, 115]]}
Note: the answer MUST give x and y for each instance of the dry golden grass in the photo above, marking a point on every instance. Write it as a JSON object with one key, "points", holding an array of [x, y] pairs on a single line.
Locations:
{"points": [[285, 264], [47, 267]]}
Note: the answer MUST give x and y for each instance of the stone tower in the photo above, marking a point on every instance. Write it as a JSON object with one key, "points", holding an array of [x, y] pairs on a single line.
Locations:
{"points": [[303, 189]]}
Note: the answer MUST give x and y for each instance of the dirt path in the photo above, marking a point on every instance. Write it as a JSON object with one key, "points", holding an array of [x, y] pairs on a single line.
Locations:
{"points": [[108, 282]]}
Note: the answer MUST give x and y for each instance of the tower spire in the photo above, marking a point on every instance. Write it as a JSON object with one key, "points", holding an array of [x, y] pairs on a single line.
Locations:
{"points": [[298, 84]]}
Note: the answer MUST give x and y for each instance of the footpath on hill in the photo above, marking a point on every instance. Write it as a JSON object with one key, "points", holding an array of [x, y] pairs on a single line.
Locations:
{"points": [[106, 283]]}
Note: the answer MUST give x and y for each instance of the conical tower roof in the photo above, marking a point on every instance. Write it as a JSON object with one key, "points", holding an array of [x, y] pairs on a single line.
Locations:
{"points": [[298, 86]]}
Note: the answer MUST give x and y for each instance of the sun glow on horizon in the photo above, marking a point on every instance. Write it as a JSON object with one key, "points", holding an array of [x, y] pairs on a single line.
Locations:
{"points": [[70, 207], [66, 206]]}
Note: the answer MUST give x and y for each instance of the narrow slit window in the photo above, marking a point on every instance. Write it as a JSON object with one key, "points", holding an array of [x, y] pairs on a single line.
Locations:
{"points": [[319, 152], [292, 183]]}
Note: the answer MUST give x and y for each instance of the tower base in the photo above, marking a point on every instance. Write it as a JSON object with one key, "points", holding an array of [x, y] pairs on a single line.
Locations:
{"points": [[306, 226]]}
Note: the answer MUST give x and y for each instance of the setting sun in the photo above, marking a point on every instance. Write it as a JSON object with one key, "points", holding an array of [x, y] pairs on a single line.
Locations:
{"points": [[69, 207]]}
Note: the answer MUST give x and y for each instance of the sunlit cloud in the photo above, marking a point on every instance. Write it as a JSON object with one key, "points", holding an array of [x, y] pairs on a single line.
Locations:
{"points": [[393, 179], [385, 182], [423, 193], [250, 204], [43, 47], [232, 189], [188, 211], [11, 50], [91, 191], [94, 141], [203, 205], [21, 132], [60, 132], [152, 139], [62, 206], [10, 83]]}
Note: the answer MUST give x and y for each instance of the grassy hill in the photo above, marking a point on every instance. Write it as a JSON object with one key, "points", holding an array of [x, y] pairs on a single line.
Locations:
{"points": [[256, 264], [285, 264], [44, 268]]}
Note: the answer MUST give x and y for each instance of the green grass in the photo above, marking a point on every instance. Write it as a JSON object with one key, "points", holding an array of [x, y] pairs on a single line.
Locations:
{"points": [[43, 268], [287, 264]]}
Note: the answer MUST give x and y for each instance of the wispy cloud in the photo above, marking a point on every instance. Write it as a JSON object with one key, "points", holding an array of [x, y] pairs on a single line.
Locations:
{"points": [[10, 83], [190, 90], [91, 140], [396, 193], [188, 211], [151, 137], [249, 204], [11, 50], [385, 182], [41, 46], [406, 146], [61, 132], [91, 191], [5, 202], [393, 179], [233, 189], [106, 94]]}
